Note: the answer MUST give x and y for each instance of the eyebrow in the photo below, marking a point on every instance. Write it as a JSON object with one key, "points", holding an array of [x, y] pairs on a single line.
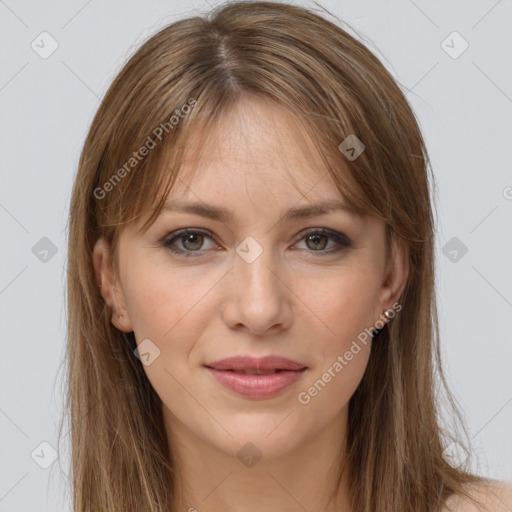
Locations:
{"points": [[224, 215]]}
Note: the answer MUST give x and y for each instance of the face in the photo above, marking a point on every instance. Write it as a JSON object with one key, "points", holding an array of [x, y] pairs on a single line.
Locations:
{"points": [[259, 283]]}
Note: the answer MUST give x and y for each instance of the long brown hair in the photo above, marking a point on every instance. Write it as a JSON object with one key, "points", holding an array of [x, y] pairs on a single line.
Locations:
{"points": [[177, 85]]}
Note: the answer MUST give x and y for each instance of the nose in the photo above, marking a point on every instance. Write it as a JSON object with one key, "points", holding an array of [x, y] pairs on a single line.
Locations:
{"points": [[259, 297]]}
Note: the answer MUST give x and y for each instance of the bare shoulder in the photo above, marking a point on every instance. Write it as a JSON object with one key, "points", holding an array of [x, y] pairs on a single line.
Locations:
{"points": [[491, 497]]}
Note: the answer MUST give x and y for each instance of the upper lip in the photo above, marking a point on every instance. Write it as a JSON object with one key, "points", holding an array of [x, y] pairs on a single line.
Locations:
{"points": [[256, 363]]}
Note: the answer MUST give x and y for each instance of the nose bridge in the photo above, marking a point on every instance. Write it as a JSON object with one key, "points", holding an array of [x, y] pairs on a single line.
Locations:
{"points": [[259, 299], [254, 267]]}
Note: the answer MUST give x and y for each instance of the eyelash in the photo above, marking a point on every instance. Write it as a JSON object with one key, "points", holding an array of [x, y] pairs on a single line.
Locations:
{"points": [[342, 240]]}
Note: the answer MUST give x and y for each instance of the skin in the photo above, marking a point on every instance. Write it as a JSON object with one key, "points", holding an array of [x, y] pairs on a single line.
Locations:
{"points": [[290, 301]]}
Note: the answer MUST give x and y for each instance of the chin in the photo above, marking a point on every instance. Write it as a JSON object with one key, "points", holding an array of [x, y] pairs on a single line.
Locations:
{"points": [[266, 435]]}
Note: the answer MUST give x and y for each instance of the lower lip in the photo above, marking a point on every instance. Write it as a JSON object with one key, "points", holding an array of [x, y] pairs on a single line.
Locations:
{"points": [[257, 386]]}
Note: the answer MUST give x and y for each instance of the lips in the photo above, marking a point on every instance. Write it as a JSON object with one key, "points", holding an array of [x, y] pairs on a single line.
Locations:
{"points": [[256, 377], [268, 364]]}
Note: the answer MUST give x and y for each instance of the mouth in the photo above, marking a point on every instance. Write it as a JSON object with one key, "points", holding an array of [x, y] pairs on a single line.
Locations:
{"points": [[256, 378]]}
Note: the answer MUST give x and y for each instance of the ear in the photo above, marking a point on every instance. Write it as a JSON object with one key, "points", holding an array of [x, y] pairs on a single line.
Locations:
{"points": [[395, 275], [109, 287]]}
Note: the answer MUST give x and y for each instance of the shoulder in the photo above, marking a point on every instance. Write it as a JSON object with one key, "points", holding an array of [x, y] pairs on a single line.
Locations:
{"points": [[491, 497]]}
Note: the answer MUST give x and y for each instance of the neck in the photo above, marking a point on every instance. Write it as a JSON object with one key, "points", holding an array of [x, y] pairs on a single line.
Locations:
{"points": [[208, 479]]}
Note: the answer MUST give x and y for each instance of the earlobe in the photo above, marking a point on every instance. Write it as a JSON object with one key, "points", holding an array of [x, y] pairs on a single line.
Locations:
{"points": [[109, 287]]}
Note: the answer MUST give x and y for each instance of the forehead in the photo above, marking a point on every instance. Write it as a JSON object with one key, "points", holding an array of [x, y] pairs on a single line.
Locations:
{"points": [[259, 147]]}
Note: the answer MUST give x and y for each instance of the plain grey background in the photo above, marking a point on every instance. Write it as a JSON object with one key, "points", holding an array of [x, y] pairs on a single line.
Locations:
{"points": [[461, 96]]}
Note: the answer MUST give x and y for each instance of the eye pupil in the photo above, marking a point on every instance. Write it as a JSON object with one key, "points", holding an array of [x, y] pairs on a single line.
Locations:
{"points": [[190, 237], [315, 238]]}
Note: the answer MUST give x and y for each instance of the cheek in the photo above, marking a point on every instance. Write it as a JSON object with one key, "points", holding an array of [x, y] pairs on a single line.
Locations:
{"points": [[163, 302], [329, 390], [170, 309], [342, 306], [342, 352]]}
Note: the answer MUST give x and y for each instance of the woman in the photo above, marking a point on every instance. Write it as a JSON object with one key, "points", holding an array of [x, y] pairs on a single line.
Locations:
{"points": [[252, 316]]}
